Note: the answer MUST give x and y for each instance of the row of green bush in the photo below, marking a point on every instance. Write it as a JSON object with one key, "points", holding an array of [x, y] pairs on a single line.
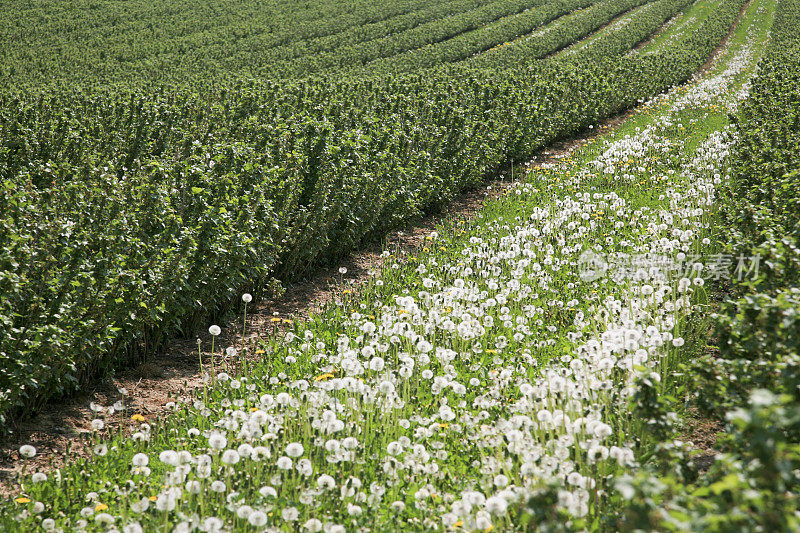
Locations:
{"points": [[360, 35], [562, 34], [485, 38], [104, 41], [430, 33]]}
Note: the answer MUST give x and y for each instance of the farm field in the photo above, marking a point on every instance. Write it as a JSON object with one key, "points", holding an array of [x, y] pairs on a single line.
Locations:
{"points": [[611, 344]]}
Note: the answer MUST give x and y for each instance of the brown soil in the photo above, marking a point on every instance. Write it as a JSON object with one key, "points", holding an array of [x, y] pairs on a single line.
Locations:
{"points": [[700, 430], [702, 433]]}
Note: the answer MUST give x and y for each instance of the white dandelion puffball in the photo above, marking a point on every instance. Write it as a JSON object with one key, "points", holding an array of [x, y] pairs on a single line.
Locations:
{"points": [[290, 514], [169, 457], [215, 330], [268, 492], [354, 510], [326, 482], [217, 441], [483, 521], [247, 297], [212, 523], [398, 506], [230, 457], [257, 518], [394, 448], [313, 525], [500, 481], [496, 505], [27, 451], [294, 449], [386, 387], [104, 519]]}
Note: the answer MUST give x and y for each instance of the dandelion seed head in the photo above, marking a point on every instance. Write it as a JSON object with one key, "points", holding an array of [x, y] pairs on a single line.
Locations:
{"points": [[27, 451]]}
